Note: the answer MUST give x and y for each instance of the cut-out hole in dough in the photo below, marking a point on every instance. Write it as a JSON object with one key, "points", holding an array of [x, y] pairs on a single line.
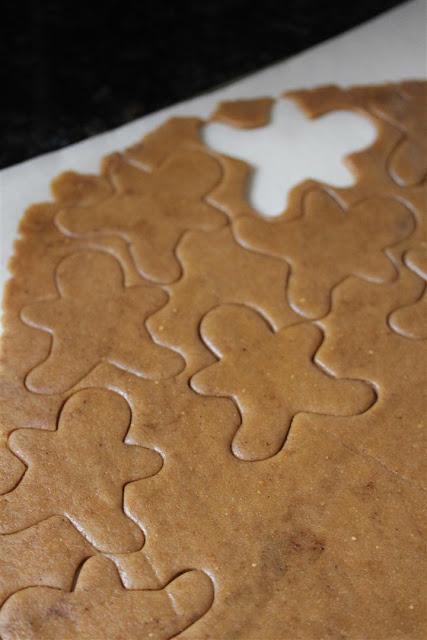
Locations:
{"points": [[292, 148]]}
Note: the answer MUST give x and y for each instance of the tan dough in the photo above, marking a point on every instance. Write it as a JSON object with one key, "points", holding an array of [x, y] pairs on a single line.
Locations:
{"points": [[272, 377], [92, 295], [298, 545], [38, 251], [373, 166], [80, 471], [394, 431], [45, 554], [328, 243], [406, 110], [240, 276], [237, 469], [152, 210], [411, 320], [98, 601], [244, 114]]}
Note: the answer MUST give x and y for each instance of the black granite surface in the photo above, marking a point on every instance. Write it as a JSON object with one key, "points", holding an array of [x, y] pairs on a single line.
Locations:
{"points": [[70, 70]]}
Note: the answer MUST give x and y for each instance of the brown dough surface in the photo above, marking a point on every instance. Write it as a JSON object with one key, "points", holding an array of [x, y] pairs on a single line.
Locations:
{"points": [[371, 166], [43, 612], [92, 294], [152, 210], [392, 431], [327, 244], [84, 486], [244, 114], [259, 368], [213, 424], [241, 277], [174, 134], [24, 560], [311, 537], [410, 321]]}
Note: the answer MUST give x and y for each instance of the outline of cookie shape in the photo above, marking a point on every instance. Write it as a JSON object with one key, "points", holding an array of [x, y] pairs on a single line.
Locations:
{"points": [[328, 243], [411, 320], [272, 377], [100, 607], [152, 210], [269, 541], [47, 554], [360, 343], [296, 543], [93, 301], [71, 187], [217, 270], [406, 110], [371, 166], [80, 471]]}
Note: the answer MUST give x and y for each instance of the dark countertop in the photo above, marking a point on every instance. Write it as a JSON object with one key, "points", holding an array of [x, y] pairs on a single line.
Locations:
{"points": [[70, 71]]}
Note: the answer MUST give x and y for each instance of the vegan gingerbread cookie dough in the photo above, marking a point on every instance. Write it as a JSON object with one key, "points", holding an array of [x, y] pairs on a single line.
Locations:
{"points": [[213, 424]]}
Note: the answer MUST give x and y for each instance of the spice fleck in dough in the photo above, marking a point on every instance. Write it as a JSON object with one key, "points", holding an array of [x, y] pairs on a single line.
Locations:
{"points": [[213, 424]]}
